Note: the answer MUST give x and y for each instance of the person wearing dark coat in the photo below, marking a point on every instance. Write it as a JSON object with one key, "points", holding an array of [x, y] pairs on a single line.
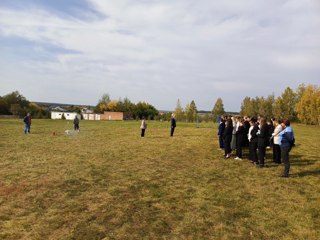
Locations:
{"points": [[221, 128], [246, 124], [76, 123], [227, 136], [262, 139], [240, 139], [173, 124], [253, 141], [27, 123], [270, 128]]}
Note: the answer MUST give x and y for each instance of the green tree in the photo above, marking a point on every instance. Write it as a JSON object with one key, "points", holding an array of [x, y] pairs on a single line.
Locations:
{"points": [[248, 107], [191, 112], [4, 108], [218, 109], [265, 106], [16, 103], [179, 111], [146, 110], [284, 106]]}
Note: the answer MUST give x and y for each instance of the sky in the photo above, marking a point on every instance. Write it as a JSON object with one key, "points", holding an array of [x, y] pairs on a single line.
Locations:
{"points": [[158, 51]]}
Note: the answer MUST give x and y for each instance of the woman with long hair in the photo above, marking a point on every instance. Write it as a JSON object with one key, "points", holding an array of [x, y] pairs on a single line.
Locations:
{"points": [[227, 135]]}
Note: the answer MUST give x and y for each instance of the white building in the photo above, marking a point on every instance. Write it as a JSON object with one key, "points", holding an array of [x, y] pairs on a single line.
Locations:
{"points": [[91, 116], [67, 115]]}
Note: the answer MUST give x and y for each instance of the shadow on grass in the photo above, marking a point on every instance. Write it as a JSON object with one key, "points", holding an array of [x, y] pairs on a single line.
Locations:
{"points": [[306, 173], [296, 160]]}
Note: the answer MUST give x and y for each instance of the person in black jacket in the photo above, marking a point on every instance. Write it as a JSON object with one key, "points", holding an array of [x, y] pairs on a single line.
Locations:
{"points": [[240, 139], [76, 123], [221, 128], [262, 138], [227, 135], [253, 141], [173, 124], [246, 124]]}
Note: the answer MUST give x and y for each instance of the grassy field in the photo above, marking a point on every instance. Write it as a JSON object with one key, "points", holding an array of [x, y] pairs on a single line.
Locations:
{"points": [[108, 183]]}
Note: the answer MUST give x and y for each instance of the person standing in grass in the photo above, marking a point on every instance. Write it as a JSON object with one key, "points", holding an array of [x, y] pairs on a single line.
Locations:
{"points": [[227, 136], [262, 136], [286, 142], [221, 128], [27, 123], [76, 124], [253, 141], [143, 126], [173, 124], [240, 139], [233, 143], [276, 141]]}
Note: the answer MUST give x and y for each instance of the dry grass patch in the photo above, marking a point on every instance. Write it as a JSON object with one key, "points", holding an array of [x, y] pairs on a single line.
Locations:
{"points": [[108, 183]]}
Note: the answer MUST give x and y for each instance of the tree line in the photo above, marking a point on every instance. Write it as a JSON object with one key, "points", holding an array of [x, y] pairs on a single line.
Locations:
{"points": [[300, 105], [130, 110], [16, 104]]}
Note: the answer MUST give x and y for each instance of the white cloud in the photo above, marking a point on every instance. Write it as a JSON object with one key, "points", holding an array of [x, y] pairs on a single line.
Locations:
{"points": [[173, 49]]}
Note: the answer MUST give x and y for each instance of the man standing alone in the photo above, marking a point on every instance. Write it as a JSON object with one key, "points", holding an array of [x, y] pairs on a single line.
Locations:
{"points": [[286, 142], [27, 123], [173, 124], [76, 124]]}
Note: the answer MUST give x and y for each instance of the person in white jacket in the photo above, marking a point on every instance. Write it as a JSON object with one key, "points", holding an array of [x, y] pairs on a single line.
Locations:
{"points": [[276, 141], [143, 126]]}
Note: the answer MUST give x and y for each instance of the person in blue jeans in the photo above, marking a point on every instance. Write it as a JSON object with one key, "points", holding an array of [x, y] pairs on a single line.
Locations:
{"points": [[27, 123], [286, 142]]}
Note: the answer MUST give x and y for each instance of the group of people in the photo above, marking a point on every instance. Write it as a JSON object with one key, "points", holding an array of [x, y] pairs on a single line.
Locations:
{"points": [[144, 124], [27, 123], [235, 133]]}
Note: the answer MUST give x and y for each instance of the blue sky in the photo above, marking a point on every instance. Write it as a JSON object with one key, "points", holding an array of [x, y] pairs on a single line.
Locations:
{"points": [[73, 51]]}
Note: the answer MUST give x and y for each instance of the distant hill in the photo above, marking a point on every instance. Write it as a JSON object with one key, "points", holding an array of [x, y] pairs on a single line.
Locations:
{"points": [[61, 104]]}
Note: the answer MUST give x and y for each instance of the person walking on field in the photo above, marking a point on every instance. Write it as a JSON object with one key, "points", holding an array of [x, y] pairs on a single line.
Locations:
{"points": [[27, 123], [143, 126], [173, 124], [76, 124], [286, 142]]}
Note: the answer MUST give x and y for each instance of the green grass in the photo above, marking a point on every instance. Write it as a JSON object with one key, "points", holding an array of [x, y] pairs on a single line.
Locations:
{"points": [[108, 183]]}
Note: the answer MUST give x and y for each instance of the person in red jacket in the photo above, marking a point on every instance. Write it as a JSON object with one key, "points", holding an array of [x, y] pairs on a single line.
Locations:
{"points": [[27, 123]]}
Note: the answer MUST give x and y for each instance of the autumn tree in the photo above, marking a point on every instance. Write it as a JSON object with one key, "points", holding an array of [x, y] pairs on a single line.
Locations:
{"points": [[308, 108], [102, 103], [191, 112]]}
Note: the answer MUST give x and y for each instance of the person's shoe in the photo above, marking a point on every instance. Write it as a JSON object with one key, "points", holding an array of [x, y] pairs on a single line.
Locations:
{"points": [[259, 166], [284, 176], [236, 158]]}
